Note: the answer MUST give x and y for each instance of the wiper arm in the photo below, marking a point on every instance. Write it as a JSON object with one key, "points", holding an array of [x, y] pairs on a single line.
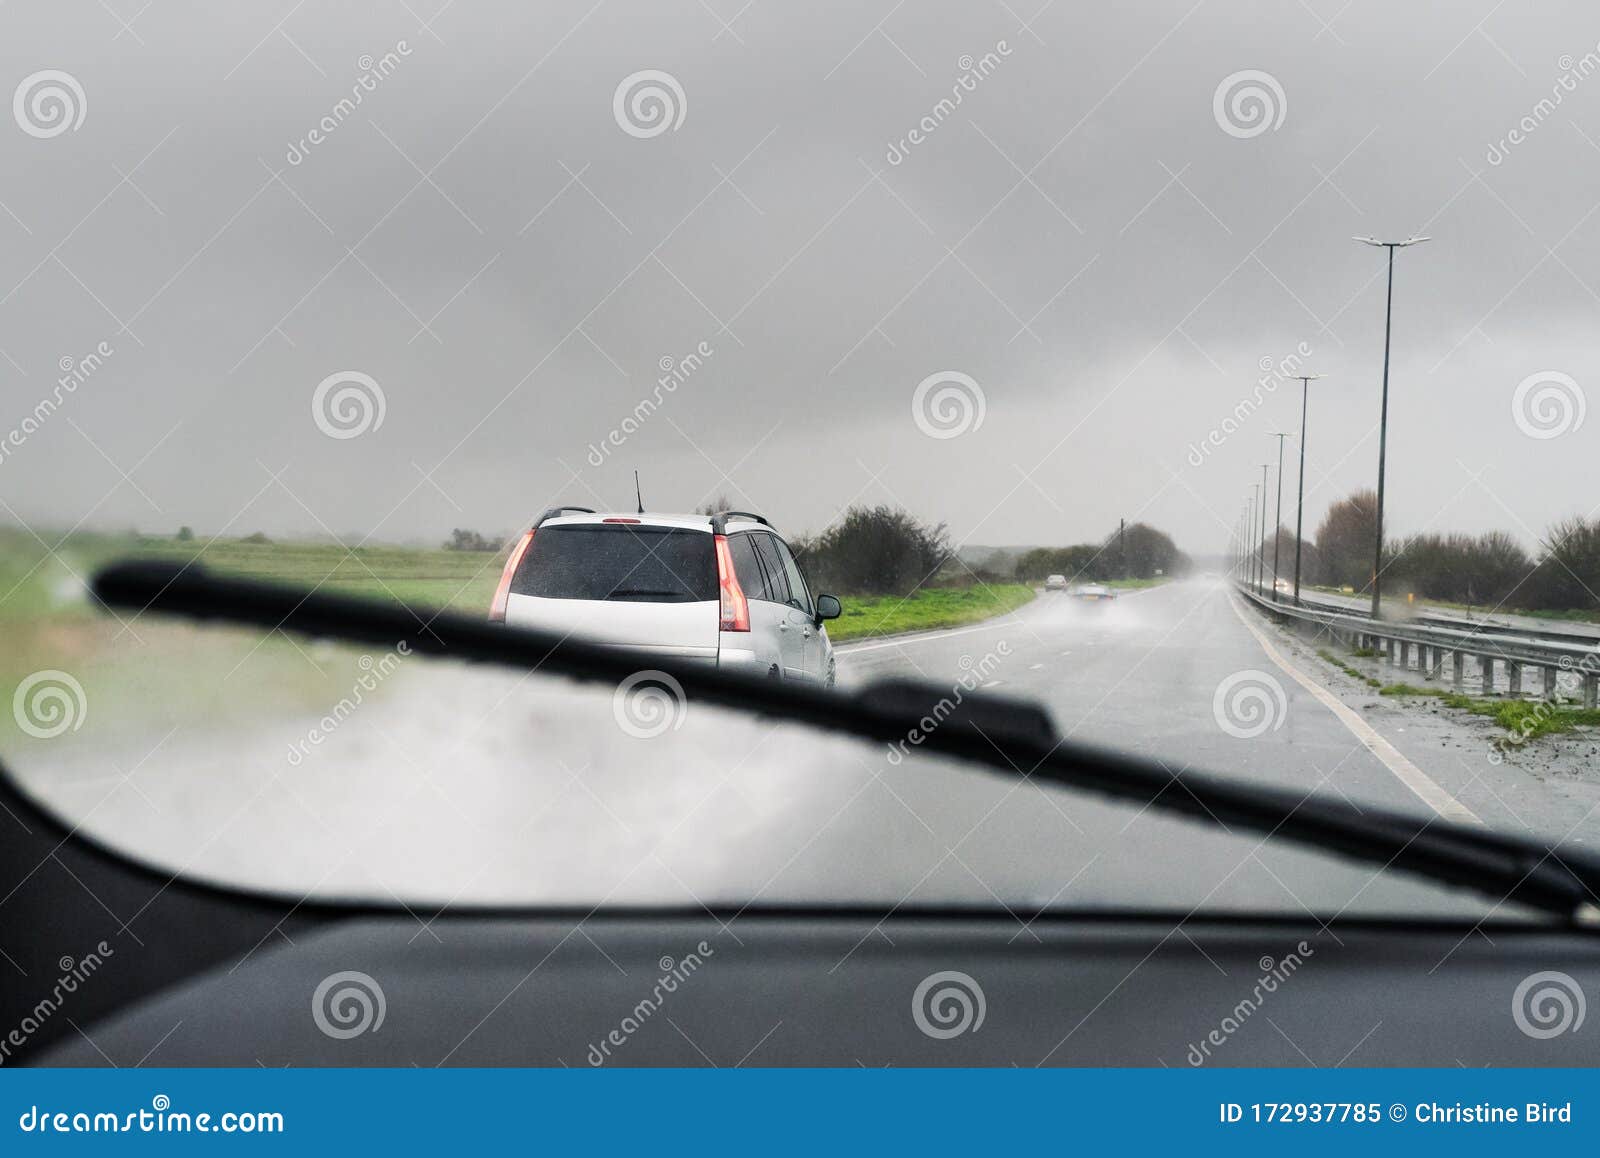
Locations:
{"points": [[1008, 737]]}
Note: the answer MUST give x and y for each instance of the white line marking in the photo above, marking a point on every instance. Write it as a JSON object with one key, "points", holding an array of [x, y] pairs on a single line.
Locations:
{"points": [[901, 641], [1035, 666], [1426, 788]]}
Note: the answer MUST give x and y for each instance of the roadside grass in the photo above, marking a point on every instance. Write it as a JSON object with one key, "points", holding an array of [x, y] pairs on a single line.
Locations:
{"points": [[874, 615], [1526, 719], [1347, 669], [1523, 720]]}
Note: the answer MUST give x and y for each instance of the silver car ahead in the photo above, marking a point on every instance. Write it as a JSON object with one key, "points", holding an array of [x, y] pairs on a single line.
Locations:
{"points": [[723, 588]]}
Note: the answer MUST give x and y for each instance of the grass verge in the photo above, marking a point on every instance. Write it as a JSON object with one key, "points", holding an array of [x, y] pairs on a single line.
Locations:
{"points": [[1524, 719], [1347, 669], [875, 615]]}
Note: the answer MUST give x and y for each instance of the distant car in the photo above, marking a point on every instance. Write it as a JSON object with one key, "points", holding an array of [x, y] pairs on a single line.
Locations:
{"points": [[1283, 585], [1055, 582], [1092, 593], [721, 588]]}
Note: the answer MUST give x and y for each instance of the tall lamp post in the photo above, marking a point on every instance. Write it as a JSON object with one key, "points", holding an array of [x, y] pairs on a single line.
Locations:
{"points": [[1266, 466], [1239, 548], [1300, 501], [1255, 555], [1277, 525], [1383, 420]]}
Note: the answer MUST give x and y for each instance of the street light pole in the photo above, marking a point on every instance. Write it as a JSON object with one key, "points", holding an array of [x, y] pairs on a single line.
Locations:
{"points": [[1383, 419], [1277, 525], [1300, 500], [1266, 466], [1250, 536]]}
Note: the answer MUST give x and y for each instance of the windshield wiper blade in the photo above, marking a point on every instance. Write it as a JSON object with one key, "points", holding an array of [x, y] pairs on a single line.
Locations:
{"points": [[1012, 738]]}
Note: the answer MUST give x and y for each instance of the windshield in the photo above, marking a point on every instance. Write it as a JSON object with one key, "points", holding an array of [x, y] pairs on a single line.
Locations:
{"points": [[1132, 364]]}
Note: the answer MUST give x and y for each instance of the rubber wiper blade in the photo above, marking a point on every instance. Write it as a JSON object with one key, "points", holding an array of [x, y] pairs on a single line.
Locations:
{"points": [[1018, 741]]}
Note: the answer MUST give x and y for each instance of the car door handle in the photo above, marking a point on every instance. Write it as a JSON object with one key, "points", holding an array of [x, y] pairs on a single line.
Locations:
{"points": [[783, 627]]}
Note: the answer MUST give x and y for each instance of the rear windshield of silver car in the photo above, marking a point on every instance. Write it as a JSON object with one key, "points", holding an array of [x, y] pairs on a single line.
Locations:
{"points": [[622, 562]]}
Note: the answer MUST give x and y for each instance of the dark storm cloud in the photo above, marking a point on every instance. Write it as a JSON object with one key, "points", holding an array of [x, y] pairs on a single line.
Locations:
{"points": [[1078, 234]]}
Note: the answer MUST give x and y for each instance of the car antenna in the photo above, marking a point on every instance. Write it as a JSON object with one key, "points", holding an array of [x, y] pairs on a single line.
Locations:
{"points": [[637, 493]]}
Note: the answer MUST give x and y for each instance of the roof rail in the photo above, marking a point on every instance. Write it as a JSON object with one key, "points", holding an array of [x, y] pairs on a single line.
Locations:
{"points": [[553, 512], [719, 521]]}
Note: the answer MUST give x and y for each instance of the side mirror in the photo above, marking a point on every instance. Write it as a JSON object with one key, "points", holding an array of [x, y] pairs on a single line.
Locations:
{"points": [[828, 607]]}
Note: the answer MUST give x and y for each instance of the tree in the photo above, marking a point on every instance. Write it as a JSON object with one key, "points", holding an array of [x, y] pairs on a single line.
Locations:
{"points": [[1142, 552], [462, 539], [185, 534], [1568, 574], [1462, 568], [1345, 539], [874, 551]]}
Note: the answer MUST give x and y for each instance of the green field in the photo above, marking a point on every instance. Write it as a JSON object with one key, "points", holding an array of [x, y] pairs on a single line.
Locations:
{"points": [[935, 607], [145, 673], [45, 614], [35, 582]]}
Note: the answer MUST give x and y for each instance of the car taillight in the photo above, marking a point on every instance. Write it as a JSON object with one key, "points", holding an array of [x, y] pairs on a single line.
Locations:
{"points": [[735, 609], [502, 593]]}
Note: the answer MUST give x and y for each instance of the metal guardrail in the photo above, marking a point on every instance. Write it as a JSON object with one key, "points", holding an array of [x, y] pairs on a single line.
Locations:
{"points": [[1394, 639], [1554, 631]]}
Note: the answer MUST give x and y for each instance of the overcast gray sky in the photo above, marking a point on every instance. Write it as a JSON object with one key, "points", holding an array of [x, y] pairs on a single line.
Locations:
{"points": [[1083, 237]]}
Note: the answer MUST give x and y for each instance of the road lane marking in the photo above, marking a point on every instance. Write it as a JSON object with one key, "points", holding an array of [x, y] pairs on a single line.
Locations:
{"points": [[929, 636], [1035, 666], [1429, 790], [901, 641]]}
